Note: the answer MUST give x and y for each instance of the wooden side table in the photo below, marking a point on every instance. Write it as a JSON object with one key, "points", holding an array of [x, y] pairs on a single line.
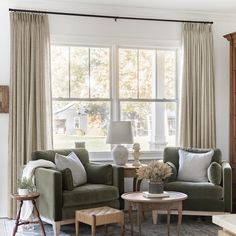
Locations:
{"points": [[130, 172], [30, 197], [99, 216]]}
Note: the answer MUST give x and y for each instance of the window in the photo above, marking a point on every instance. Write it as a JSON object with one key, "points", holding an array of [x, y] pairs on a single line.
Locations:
{"points": [[81, 96], [147, 95], [83, 103]]}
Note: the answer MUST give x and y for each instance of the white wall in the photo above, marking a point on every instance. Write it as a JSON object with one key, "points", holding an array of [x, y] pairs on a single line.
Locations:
{"points": [[122, 32]]}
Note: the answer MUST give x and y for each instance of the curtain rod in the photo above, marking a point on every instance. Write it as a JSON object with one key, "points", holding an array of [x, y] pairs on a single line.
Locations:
{"points": [[107, 16]]}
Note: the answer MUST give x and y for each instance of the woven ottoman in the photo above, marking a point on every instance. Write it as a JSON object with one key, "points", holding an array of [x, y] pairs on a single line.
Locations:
{"points": [[99, 216]]}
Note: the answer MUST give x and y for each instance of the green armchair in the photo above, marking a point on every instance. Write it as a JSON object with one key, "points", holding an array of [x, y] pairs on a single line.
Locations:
{"points": [[204, 197], [57, 206]]}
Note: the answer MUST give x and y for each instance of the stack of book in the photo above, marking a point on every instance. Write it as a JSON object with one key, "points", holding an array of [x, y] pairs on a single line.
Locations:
{"points": [[155, 195]]}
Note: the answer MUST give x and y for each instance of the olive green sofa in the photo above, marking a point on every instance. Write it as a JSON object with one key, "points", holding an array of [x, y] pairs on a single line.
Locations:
{"points": [[57, 206], [203, 197]]}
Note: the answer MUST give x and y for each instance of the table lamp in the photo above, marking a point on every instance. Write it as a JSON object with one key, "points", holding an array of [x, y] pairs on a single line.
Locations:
{"points": [[120, 132]]}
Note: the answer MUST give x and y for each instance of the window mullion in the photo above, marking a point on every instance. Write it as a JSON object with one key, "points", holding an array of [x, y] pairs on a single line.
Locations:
{"points": [[115, 83], [89, 70], [138, 73], [69, 65]]}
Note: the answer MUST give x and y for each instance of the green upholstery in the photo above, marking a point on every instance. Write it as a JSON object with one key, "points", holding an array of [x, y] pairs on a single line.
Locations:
{"points": [[89, 194], [99, 173], [49, 185], [50, 154], [202, 196], [174, 172], [67, 179], [104, 188], [196, 190], [214, 173]]}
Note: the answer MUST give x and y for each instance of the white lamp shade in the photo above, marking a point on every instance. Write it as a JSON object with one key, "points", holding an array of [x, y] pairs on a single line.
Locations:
{"points": [[120, 132]]}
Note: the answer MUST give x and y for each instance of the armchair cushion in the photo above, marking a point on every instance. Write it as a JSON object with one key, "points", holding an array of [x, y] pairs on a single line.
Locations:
{"points": [[174, 172], [99, 173], [67, 179], [214, 173], [196, 190], [89, 194], [193, 166]]}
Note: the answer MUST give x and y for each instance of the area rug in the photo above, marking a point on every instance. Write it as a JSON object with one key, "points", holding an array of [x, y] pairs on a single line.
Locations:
{"points": [[191, 226]]}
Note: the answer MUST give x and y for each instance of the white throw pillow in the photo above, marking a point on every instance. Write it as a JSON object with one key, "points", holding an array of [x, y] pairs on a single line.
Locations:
{"points": [[74, 164], [193, 166]]}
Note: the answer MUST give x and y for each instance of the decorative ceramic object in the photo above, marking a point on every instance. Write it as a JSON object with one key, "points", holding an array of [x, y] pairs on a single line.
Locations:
{"points": [[23, 191], [120, 155], [156, 187], [25, 186], [136, 154]]}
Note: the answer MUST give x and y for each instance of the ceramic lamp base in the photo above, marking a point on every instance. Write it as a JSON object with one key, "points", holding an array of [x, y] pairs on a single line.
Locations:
{"points": [[120, 155]]}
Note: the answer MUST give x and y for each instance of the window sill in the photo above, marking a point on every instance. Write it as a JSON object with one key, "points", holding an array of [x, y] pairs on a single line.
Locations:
{"points": [[106, 156]]}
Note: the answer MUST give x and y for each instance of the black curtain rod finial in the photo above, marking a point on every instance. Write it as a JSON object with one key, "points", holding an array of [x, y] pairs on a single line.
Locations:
{"points": [[107, 16]]}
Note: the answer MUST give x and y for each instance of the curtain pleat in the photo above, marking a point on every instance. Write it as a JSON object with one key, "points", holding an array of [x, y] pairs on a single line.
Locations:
{"points": [[197, 116], [30, 93]]}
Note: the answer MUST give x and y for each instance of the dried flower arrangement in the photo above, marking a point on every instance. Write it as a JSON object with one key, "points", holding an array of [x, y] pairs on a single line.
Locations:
{"points": [[155, 171]]}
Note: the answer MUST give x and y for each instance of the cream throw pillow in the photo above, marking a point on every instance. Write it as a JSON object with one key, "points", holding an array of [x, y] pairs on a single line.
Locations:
{"points": [[74, 164], [193, 166]]}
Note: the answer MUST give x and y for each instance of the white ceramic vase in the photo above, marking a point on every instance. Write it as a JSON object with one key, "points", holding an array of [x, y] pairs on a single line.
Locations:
{"points": [[23, 191]]}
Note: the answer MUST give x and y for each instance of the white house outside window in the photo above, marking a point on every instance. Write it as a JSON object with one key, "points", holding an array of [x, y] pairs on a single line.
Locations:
{"points": [[83, 102]]}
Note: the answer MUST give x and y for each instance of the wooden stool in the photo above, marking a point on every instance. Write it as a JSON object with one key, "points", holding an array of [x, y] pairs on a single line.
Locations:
{"points": [[99, 216], [29, 197]]}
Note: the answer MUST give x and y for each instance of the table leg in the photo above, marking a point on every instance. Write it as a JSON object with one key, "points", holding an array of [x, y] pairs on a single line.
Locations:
{"points": [[134, 184], [168, 221], [130, 217], [139, 181], [179, 217], [122, 225], [40, 221], [154, 216], [140, 210], [17, 219]]}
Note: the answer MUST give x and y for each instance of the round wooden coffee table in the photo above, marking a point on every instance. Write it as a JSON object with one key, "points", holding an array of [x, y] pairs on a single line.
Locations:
{"points": [[138, 201]]}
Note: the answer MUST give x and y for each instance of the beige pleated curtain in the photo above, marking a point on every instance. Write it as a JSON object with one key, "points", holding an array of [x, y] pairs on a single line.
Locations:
{"points": [[197, 121], [30, 98]]}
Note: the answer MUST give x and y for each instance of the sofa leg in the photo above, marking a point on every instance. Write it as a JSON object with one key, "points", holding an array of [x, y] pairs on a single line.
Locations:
{"points": [[56, 228]]}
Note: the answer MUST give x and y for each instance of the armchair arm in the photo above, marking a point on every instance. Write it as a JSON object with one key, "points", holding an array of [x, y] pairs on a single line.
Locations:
{"points": [[49, 185], [118, 180], [227, 186]]}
